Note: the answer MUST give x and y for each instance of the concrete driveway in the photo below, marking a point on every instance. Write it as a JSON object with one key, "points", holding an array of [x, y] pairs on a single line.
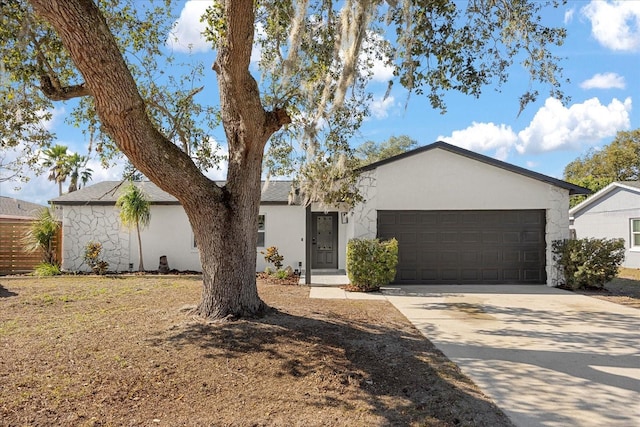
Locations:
{"points": [[547, 357]]}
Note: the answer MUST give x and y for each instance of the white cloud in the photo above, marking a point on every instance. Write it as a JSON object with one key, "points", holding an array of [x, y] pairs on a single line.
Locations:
{"points": [[186, 35], [604, 81], [568, 16], [555, 127], [484, 137], [380, 107], [381, 71], [615, 24]]}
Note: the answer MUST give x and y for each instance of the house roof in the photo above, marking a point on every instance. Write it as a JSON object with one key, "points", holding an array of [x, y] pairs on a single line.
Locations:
{"points": [[573, 189], [18, 209], [631, 186], [107, 193]]}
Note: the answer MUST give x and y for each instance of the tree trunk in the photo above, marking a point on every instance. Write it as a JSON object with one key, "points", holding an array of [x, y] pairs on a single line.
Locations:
{"points": [[141, 263], [224, 219]]}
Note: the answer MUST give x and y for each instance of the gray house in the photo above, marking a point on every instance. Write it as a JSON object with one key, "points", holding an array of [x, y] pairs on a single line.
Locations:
{"points": [[613, 212]]}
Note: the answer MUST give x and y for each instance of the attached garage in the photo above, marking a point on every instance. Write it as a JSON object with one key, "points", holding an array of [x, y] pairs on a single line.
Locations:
{"points": [[464, 218], [468, 246]]}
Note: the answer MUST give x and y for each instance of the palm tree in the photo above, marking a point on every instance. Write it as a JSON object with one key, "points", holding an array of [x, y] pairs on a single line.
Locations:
{"points": [[134, 210], [41, 235], [56, 159], [78, 171]]}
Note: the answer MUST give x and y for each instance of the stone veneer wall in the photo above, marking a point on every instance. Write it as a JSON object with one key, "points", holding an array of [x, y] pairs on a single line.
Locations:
{"points": [[83, 224], [557, 228], [365, 215]]}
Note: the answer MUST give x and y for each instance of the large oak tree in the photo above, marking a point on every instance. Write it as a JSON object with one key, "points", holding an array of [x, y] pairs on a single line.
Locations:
{"points": [[316, 57]]}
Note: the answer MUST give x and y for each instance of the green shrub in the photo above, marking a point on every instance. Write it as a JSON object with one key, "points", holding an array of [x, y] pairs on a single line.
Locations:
{"points": [[371, 263], [588, 263], [282, 274], [45, 269], [92, 258]]}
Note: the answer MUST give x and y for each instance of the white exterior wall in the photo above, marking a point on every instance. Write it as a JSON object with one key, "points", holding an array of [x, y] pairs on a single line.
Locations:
{"points": [[169, 233], [83, 224], [609, 218], [440, 180], [284, 229]]}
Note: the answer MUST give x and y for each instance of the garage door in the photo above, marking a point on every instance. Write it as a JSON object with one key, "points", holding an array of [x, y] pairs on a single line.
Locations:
{"points": [[467, 247]]}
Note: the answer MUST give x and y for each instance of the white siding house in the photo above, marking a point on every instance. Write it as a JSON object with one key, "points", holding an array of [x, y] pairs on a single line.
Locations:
{"points": [[613, 212], [459, 217]]}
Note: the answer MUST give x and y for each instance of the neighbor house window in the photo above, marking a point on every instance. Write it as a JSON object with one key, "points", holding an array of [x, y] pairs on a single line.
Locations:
{"points": [[261, 231], [635, 233]]}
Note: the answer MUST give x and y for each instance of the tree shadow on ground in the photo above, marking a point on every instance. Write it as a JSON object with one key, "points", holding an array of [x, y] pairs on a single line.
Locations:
{"points": [[6, 293], [395, 372]]}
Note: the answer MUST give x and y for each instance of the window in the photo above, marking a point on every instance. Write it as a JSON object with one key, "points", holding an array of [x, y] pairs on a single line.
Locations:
{"points": [[635, 233], [261, 231]]}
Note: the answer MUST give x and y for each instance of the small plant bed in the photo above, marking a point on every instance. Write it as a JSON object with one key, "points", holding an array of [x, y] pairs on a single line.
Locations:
{"points": [[273, 279], [277, 275]]}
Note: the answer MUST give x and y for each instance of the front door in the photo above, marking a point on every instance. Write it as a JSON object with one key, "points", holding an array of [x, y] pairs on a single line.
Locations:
{"points": [[325, 240]]}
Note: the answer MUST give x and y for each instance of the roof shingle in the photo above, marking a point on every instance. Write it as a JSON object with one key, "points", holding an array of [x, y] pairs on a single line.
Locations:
{"points": [[107, 193]]}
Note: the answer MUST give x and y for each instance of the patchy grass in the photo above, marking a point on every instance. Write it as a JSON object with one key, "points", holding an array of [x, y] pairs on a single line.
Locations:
{"points": [[624, 289], [94, 351]]}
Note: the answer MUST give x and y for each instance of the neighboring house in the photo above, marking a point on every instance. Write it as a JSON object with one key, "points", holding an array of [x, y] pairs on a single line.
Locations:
{"points": [[613, 212], [18, 209], [16, 217], [459, 217]]}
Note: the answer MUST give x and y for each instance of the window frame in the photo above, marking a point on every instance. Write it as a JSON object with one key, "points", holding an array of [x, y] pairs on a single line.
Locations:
{"points": [[262, 231], [634, 234]]}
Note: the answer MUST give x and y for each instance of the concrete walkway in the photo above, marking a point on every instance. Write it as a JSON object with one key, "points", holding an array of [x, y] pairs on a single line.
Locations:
{"points": [[547, 357]]}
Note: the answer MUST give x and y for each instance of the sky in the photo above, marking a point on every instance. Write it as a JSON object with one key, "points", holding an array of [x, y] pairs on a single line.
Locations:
{"points": [[601, 59]]}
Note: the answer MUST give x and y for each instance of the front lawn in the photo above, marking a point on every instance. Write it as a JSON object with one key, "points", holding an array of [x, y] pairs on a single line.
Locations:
{"points": [[94, 351]]}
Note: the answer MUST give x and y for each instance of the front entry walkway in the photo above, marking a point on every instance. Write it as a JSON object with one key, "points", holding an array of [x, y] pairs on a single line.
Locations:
{"points": [[547, 357]]}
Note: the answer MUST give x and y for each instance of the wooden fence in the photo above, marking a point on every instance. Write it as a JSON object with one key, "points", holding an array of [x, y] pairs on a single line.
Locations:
{"points": [[13, 257]]}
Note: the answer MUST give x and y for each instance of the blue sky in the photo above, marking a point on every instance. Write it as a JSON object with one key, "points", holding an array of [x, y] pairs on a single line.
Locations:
{"points": [[602, 62]]}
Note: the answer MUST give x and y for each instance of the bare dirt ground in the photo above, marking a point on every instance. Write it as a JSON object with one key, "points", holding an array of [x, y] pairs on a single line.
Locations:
{"points": [[100, 351], [624, 289]]}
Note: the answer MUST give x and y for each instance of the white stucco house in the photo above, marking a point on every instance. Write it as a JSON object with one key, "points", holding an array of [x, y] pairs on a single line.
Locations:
{"points": [[613, 212], [459, 217]]}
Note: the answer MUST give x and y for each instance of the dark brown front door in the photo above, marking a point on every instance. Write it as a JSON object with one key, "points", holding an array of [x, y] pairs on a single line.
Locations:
{"points": [[325, 240]]}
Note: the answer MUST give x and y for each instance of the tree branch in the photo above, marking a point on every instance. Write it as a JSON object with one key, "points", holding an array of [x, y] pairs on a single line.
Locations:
{"points": [[51, 88]]}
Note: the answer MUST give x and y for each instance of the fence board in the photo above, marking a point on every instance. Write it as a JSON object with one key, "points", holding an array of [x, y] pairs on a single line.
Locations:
{"points": [[13, 257]]}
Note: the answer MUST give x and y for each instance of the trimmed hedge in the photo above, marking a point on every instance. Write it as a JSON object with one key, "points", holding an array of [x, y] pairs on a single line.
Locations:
{"points": [[588, 263], [371, 263]]}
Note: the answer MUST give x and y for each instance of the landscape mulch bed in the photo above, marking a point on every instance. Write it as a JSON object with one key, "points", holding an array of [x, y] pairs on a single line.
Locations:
{"points": [[110, 351]]}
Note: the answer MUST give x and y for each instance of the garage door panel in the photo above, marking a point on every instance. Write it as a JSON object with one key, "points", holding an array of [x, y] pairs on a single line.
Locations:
{"points": [[490, 258], [510, 256], [429, 274], [511, 237], [449, 237], [467, 246], [490, 275], [407, 219], [511, 274], [469, 275], [533, 276], [531, 256]]}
